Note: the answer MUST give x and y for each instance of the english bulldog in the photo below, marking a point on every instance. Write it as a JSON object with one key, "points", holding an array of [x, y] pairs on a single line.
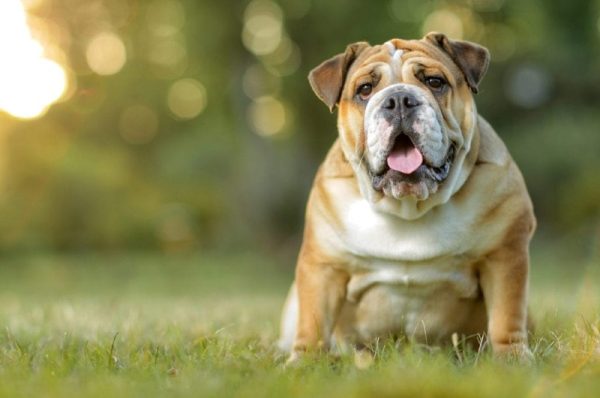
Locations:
{"points": [[419, 221]]}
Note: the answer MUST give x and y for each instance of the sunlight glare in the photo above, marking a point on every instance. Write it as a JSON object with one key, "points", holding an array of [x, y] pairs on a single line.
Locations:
{"points": [[29, 82]]}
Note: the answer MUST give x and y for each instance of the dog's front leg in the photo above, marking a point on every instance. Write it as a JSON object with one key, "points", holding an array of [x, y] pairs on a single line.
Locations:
{"points": [[504, 282], [321, 293]]}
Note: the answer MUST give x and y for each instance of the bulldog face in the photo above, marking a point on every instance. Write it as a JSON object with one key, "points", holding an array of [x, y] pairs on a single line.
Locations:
{"points": [[406, 110], [408, 150]]}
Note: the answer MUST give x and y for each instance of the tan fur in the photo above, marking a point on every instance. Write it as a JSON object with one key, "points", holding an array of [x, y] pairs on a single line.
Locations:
{"points": [[456, 262]]}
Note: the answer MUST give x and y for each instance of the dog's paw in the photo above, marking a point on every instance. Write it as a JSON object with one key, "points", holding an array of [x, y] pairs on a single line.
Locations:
{"points": [[300, 358], [516, 352], [293, 360], [363, 359]]}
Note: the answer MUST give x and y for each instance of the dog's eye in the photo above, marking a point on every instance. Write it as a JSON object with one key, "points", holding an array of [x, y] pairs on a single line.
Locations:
{"points": [[364, 90], [435, 82]]}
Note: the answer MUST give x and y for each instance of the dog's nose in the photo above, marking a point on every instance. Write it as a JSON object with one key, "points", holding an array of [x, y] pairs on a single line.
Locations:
{"points": [[400, 103]]}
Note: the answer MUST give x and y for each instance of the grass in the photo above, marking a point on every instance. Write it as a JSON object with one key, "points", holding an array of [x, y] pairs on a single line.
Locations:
{"points": [[205, 325]]}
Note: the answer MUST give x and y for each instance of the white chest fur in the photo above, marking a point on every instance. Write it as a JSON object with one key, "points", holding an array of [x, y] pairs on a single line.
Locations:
{"points": [[421, 254], [368, 233], [433, 251]]}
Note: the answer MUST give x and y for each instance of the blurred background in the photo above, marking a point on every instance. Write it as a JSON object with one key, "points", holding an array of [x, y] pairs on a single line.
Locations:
{"points": [[189, 126]]}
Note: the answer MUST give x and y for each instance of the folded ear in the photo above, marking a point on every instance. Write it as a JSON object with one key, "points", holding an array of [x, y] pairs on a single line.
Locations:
{"points": [[327, 79], [471, 58]]}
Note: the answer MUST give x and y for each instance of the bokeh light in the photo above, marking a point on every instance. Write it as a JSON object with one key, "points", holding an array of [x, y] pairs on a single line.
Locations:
{"points": [[263, 27], [258, 82], [267, 115], [285, 60], [528, 86], [166, 50], [446, 21], [265, 36], [29, 82], [106, 53], [186, 98], [165, 17], [167, 53], [29, 4], [138, 124], [168, 57]]}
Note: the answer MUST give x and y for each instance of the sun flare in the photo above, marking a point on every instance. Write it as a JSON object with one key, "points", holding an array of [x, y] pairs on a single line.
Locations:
{"points": [[29, 82]]}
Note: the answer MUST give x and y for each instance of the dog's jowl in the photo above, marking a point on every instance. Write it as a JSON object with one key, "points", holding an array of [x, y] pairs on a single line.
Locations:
{"points": [[418, 223]]}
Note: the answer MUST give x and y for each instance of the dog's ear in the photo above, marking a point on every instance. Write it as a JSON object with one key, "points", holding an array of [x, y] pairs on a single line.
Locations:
{"points": [[327, 79], [471, 58]]}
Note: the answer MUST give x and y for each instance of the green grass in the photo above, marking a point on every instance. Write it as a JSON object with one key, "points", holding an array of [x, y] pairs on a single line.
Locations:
{"points": [[205, 325]]}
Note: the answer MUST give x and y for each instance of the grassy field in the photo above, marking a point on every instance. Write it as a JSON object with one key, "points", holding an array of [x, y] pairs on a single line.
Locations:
{"points": [[205, 325]]}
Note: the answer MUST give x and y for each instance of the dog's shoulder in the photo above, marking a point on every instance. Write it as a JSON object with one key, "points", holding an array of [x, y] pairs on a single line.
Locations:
{"points": [[500, 183], [492, 149]]}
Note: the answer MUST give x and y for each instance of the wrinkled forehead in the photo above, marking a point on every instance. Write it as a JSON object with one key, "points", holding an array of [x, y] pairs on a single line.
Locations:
{"points": [[395, 52]]}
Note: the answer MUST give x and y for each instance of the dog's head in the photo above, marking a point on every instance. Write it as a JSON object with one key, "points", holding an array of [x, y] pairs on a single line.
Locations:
{"points": [[406, 112]]}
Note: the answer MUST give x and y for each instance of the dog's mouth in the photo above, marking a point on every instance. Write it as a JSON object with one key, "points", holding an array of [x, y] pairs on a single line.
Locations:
{"points": [[405, 162], [404, 157]]}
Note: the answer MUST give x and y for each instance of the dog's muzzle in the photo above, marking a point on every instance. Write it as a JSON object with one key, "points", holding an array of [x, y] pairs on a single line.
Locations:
{"points": [[405, 138]]}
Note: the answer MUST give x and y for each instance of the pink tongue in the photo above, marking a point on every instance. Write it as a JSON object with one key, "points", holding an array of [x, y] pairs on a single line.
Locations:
{"points": [[405, 158]]}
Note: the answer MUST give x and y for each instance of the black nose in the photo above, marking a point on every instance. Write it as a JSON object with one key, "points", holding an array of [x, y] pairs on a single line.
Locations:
{"points": [[400, 103]]}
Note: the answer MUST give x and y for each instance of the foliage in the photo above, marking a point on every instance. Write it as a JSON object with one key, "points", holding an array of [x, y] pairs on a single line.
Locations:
{"points": [[115, 165]]}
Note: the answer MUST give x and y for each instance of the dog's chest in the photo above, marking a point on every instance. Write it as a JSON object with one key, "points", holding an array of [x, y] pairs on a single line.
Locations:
{"points": [[370, 234], [418, 256]]}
